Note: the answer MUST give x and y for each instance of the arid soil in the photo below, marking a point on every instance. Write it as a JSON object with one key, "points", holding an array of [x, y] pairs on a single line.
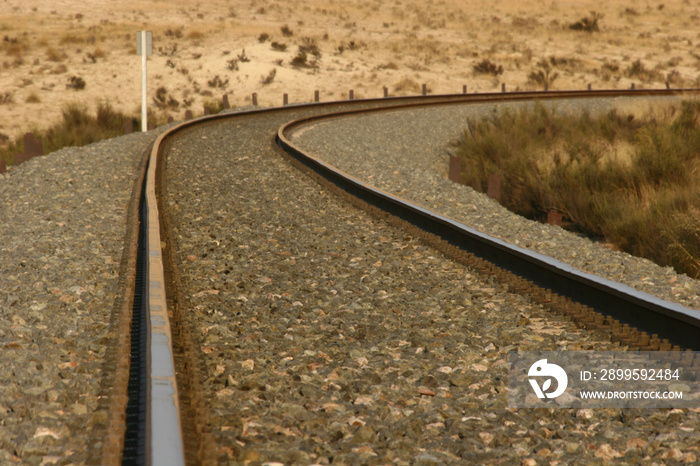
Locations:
{"points": [[50, 48]]}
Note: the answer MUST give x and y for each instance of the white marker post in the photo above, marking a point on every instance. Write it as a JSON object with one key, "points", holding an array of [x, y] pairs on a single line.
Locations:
{"points": [[144, 48]]}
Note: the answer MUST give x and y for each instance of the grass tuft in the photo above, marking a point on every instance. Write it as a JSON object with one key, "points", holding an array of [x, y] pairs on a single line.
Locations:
{"points": [[78, 127]]}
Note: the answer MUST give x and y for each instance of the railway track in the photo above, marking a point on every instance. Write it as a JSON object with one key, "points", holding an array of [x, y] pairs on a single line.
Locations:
{"points": [[171, 425]]}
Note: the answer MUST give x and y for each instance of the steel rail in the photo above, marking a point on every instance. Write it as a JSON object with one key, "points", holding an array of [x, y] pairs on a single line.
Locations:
{"points": [[677, 323], [164, 442]]}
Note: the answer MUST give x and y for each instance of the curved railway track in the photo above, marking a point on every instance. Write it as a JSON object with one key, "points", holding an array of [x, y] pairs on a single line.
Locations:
{"points": [[170, 391]]}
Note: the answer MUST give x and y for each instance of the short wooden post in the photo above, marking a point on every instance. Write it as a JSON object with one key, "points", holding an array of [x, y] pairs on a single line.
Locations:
{"points": [[351, 94], [20, 158], [188, 115], [455, 169], [170, 119], [668, 85], [206, 110], [424, 89], [494, 187], [285, 99], [464, 89], [3, 167], [503, 87], [554, 218], [590, 86], [225, 103], [386, 92], [128, 126], [32, 146], [632, 86], [255, 99], [317, 96]]}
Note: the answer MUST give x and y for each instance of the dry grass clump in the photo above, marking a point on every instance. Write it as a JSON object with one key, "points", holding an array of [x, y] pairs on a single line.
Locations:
{"points": [[78, 127], [407, 85], [587, 23], [645, 200], [485, 66]]}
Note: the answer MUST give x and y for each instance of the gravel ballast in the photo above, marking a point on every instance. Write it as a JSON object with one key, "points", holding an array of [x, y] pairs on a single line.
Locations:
{"points": [[406, 153], [329, 336], [62, 227]]}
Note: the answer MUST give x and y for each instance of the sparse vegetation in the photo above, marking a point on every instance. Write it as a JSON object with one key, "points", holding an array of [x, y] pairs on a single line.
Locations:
{"points": [[232, 64], [286, 32], [7, 97], [630, 182], [214, 106], [263, 37], [637, 69], [267, 79], [217, 82], [163, 100], [300, 60], [78, 127], [309, 46], [485, 66], [53, 54], [76, 82], [278, 46], [33, 98], [544, 75], [587, 23], [242, 57]]}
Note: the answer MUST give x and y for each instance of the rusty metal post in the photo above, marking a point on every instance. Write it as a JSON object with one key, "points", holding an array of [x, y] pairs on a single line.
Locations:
{"points": [[317, 96], [3, 167], [554, 218], [386, 92], [455, 169], [255, 99], [424, 89], [225, 103], [188, 115], [494, 187], [351, 94], [285, 99]]}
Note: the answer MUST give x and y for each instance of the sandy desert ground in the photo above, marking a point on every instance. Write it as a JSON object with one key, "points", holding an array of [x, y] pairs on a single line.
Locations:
{"points": [[203, 50]]}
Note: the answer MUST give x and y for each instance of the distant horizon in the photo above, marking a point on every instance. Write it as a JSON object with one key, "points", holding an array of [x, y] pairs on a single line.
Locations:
{"points": [[237, 48]]}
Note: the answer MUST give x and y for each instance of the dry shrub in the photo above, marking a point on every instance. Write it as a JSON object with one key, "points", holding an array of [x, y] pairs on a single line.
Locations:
{"points": [[587, 23], [78, 127], [54, 55], [485, 66], [407, 85], [265, 80], [647, 206]]}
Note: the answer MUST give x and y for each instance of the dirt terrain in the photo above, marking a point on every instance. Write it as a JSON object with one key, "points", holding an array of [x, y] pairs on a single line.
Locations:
{"points": [[54, 52]]}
